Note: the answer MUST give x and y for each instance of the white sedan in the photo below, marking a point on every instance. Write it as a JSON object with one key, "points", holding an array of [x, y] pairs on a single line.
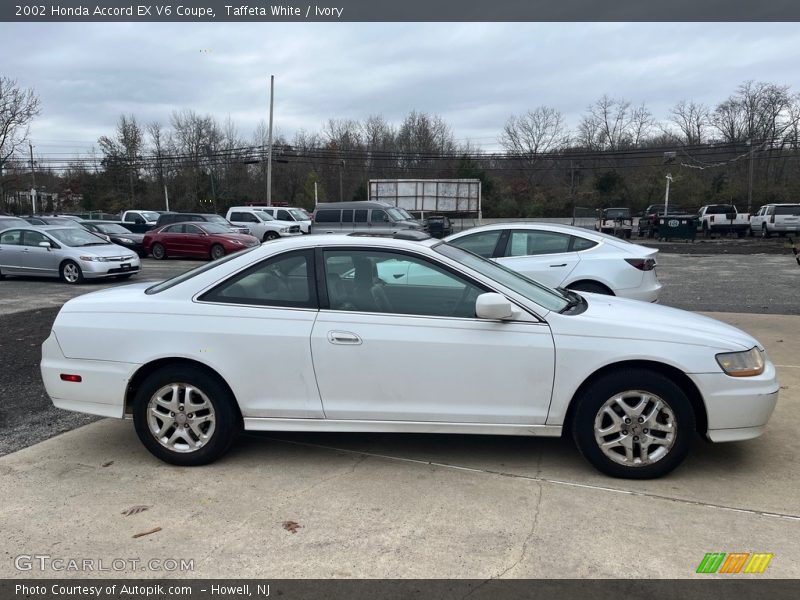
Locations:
{"points": [[345, 333], [569, 257]]}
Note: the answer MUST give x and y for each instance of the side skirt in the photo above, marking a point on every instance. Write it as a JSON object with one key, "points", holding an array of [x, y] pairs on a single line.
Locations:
{"points": [[268, 424]]}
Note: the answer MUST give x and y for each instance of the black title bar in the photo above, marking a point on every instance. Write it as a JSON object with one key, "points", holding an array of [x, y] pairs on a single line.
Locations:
{"points": [[199, 11]]}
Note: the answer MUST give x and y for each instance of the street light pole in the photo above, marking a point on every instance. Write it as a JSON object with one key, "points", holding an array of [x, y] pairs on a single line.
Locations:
{"points": [[666, 195], [750, 178], [33, 182], [269, 142]]}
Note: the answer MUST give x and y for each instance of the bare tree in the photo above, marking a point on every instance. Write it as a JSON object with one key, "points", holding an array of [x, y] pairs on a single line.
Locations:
{"points": [[18, 107], [536, 132], [757, 111], [692, 120], [606, 124]]}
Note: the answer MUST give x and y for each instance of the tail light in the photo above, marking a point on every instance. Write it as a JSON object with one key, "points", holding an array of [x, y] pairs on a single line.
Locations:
{"points": [[772, 219], [643, 264], [711, 219]]}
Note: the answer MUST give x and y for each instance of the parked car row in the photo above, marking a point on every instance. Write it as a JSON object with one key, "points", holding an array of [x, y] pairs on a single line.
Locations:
{"points": [[713, 219]]}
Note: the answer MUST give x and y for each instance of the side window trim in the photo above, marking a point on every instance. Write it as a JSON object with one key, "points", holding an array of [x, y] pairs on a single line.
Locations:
{"points": [[501, 249]]}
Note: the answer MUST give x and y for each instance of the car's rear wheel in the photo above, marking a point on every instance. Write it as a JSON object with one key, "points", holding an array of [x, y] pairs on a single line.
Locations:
{"points": [[217, 252], [764, 231], [185, 416], [591, 287], [70, 272], [158, 251], [270, 235], [634, 423]]}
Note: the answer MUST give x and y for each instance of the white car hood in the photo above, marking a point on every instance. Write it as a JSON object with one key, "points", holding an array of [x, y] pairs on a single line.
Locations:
{"points": [[612, 317]]}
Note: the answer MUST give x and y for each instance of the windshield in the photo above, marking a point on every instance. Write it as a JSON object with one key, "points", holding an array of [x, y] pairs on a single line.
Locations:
{"points": [[536, 292], [150, 216], [111, 228], [406, 215], [298, 214], [218, 219], [77, 237], [397, 214], [216, 228], [617, 213], [264, 216]]}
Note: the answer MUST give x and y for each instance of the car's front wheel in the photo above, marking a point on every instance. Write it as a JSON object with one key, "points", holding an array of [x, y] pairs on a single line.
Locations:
{"points": [[217, 252], [634, 424], [270, 235], [185, 416], [71, 272]]}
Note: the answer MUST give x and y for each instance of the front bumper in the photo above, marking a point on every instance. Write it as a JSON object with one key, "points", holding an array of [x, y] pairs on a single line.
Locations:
{"points": [[738, 408], [94, 270]]}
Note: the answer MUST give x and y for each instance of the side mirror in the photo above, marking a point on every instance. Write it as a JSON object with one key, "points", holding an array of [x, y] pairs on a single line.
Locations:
{"points": [[138, 220], [493, 306], [47, 245]]}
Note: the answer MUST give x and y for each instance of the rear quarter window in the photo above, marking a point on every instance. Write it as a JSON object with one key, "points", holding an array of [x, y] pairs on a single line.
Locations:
{"points": [[328, 216]]}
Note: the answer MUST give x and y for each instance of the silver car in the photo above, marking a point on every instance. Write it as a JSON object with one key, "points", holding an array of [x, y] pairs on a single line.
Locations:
{"points": [[73, 254]]}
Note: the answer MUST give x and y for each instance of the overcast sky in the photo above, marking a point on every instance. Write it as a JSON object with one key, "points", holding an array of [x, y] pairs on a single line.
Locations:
{"points": [[475, 75]]}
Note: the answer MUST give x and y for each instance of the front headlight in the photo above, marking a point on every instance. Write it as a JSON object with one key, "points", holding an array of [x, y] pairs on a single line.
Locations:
{"points": [[742, 364], [93, 258], [237, 242], [126, 241]]}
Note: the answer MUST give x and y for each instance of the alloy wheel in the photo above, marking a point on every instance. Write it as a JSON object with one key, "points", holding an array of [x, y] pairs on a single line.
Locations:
{"points": [[181, 417]]}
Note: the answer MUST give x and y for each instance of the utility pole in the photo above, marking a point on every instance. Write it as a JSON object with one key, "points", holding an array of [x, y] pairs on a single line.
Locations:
{"points": [[341, 194], [269, 142], [166, 197], [750, 178], [33, 182]]}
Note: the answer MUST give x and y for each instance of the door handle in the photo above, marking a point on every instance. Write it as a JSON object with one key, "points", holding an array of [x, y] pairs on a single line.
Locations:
{"points": [[561, 265], [343, 337]]}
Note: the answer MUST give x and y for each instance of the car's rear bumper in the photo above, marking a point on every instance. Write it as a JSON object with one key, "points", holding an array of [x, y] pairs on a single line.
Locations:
{"points": [[648, 291], [101, 390]]}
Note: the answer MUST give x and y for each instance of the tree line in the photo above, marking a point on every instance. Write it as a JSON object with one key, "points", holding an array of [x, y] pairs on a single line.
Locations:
{"points": [[618, 154]]}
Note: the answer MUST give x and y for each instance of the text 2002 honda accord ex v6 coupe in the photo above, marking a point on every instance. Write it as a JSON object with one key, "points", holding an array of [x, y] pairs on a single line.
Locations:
{"points": [[312, 334]]}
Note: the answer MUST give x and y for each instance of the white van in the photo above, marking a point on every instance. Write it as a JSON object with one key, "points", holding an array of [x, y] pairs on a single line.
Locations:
{"points": [[289, 213], [262, 225]]}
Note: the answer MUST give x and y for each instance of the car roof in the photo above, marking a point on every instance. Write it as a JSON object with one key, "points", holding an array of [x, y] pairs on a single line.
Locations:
{"points": [[559, 227], [354, 204]]}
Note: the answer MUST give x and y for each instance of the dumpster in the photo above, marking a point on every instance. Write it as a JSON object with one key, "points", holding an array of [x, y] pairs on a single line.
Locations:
{"points": [[677, 227]]}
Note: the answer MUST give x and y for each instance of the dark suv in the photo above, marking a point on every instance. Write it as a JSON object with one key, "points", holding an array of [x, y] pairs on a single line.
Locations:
{"points": [[176, 217], [438, 226]]}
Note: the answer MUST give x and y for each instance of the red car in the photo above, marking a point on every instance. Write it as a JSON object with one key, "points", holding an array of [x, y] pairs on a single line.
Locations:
{"points": [[205, 240]]}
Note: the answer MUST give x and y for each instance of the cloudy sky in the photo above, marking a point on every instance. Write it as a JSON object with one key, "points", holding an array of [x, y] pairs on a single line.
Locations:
{"points": [[475, 75]]}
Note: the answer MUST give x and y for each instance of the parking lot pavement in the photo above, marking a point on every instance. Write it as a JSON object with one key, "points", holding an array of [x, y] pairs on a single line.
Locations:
{"points": [[21, 294], [411, 505]]}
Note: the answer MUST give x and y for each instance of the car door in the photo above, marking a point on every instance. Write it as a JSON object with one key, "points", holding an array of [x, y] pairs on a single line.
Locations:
{"points": [[36, 259], [411, 349], [266, 313], [11, 252], [541, 255], [172, 238], [379, 222], [195, 241]]}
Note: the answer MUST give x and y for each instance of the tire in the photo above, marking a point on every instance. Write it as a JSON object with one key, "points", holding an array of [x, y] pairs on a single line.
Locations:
{"points": [[629, 393], [71, 272], [214, 414], [590, 286], [158, 251], [706, 232], [764, 231], [217, 252], [270, 235]]}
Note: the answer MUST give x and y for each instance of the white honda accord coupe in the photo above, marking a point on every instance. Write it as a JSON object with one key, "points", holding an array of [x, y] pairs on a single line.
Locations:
{"points": [[570, 257], [403, 334]]}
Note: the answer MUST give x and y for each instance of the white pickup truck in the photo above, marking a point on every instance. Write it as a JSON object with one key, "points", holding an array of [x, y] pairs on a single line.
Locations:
{"points": [[139, 221], [722, 218]]}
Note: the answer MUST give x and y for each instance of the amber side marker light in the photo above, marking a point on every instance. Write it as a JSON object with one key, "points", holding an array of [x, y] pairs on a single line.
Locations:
{"points": [[72, 378]]}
